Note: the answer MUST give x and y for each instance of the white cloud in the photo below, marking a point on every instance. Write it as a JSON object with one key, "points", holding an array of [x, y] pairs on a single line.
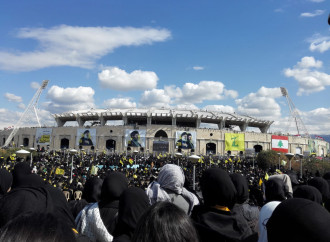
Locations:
{"points": [[118, 79], [310, 80], [187, 107], [119, 103], [35, 85], [155, 98], [9, 118], [13, 98], [75, 46], [320, 43], [313, 14], [69, 99], [197, 93], [317, 121], [261, 104], [198, 68], [220, 108], [21, 106]]}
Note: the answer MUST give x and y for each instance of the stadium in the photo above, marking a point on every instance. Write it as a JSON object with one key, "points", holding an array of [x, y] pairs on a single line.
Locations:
{"points": [[161, 130]]}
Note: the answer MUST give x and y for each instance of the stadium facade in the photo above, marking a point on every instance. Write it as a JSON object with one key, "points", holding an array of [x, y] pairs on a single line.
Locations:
{"points": [[162, 130]]}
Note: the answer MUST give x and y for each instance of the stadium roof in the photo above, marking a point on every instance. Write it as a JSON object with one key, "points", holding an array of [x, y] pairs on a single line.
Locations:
{"points": [[163, 116]]}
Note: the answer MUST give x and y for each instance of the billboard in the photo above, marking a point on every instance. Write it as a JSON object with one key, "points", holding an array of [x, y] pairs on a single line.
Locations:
{"points": [[185, 140], [135, 138], [43, 136], [234, 141], [280, 143], [312, 146], [86, 137], [160, 146]]}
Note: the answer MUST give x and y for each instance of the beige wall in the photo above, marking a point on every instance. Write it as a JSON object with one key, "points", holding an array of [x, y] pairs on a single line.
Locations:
{"points": [[118, 133]]}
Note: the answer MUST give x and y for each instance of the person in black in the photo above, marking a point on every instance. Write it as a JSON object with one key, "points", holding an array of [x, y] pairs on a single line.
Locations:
{"points": [[214, 220]]}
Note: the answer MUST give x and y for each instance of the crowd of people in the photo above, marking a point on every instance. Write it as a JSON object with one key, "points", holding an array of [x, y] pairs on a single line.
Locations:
{"points": [[58, 196]]}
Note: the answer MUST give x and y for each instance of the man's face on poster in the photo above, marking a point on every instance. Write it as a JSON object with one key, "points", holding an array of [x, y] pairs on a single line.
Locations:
{"points": [[136, 137]]}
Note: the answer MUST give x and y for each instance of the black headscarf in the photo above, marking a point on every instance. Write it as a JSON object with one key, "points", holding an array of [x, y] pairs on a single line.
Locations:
{"points": [[112, 188], [132, 204], [6, 179], [308, 192], [20, 171], [92, 190], [31, 197], [241, 186], [274, 190], [217, 188], [322, 185], [299, 219]]}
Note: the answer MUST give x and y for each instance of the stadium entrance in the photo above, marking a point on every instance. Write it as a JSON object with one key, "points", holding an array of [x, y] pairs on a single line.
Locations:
{"points": [[211, 148], [110, 144], [64, 143]]}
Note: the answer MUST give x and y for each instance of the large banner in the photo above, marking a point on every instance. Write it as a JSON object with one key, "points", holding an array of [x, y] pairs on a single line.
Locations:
{"points": [[86, 137], [43, 136], [312, 146], [135, 138], [185, 140], [280, 143], [160, 146], [234, 141]]}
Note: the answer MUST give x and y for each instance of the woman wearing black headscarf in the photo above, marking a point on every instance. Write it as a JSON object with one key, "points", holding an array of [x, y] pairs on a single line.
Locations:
{"points": [[308, 192], [97, 220], [6, 180], [242, 207], [21, 169], [299, 219], [90, 194], [322, 185], [214, 220], [132, 204], [30, 196]]}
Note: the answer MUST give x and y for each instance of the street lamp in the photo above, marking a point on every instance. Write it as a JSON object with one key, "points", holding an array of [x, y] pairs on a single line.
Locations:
{"points": [[31, 149], [194, 159], [178, 155], [289, 156], [72, 152]]}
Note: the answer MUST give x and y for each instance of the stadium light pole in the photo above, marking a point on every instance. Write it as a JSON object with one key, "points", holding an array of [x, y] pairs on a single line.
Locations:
{"points": [[31, 149], [72, 151]]}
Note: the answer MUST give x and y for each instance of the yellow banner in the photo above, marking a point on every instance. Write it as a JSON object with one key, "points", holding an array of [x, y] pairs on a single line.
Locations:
{"points": [[234, 141], [59, 171]]}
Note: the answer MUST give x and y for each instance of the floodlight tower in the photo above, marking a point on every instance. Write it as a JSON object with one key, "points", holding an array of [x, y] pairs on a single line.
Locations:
{"points": [[32, 107], [301, 129]]}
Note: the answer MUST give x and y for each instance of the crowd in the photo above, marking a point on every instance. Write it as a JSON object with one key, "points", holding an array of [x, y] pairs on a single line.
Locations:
{"points": [[58, 196]]}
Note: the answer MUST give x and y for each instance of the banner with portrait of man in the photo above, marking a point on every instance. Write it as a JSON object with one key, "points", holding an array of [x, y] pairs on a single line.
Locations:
{"points": [[43, 136], [86, 137], [185, 139], [135, 138], [312, 146]]}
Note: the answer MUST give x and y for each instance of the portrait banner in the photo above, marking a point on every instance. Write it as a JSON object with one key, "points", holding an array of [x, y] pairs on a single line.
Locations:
{"points": [[312, 146], [185, 139], [86, 137], [135, 138], [43, 136], [234, 141]]}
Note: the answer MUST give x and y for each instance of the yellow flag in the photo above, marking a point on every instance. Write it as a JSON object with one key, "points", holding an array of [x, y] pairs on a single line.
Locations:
{"points": [[266, 177], [134, 176], [260, 182], [131, 161], [226, 161], [234, 141], [121, 162], [59, 171]]}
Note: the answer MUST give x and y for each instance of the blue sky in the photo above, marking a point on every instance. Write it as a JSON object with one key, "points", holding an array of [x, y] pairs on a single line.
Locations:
{"points": [[227, 56]]}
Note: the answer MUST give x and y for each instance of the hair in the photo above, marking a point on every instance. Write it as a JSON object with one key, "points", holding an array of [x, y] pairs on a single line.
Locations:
{"points": [[134, 133], [164, 221], [37, 227]]}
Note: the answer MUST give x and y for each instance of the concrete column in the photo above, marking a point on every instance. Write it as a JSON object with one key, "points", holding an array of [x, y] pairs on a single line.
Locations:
{"points": [[80, 122], [198, 123], [243, 126], [125, 120], [103, 121], [174, 121], [60, 123], [221, 124], [264, 129], [149, 119]]}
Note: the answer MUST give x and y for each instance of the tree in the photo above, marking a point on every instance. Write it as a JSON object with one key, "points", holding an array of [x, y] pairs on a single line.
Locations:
{"points": [[266, 159]]}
